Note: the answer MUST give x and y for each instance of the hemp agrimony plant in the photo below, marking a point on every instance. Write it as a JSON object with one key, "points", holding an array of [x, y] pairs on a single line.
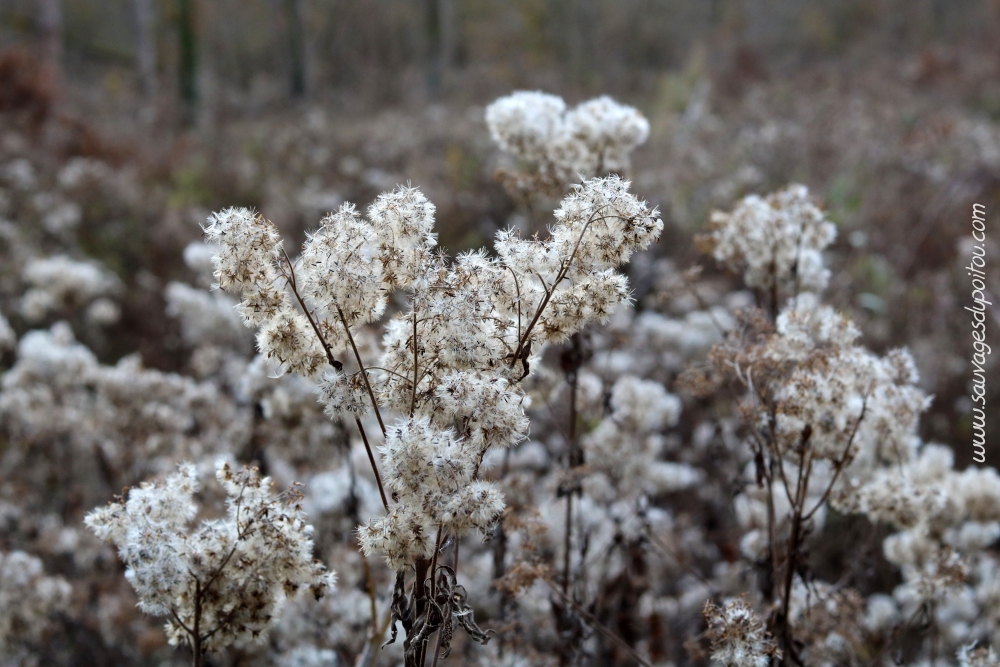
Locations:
{"points": [[450, 362], [831, 426], [429, 400], [223, 581]]}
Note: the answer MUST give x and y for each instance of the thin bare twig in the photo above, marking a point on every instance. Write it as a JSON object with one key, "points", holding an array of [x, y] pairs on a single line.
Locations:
{"points": [[600, 627], [897, 636], [563, 271], [308, 313], [364, 373], [371, 459], [842, 462], [413, 394]]}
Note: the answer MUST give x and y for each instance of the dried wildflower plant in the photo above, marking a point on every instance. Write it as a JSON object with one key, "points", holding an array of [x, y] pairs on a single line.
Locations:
{"points": [[224, 581], [832, 426], [973, 656], [450, 364], [28, 601], [554, 147], [738, 636], [775, 242]]}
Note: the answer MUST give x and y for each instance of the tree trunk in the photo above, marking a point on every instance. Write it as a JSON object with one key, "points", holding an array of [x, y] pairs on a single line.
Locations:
{"points": [[297, 47], [442, 36], [584, 16], [145, 44], [432, 63], [447, 36], [50, 36], [288, 22], [187, 43]]}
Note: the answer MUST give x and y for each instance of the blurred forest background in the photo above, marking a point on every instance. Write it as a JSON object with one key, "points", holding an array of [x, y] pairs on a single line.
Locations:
{"points": [[887, 109]]}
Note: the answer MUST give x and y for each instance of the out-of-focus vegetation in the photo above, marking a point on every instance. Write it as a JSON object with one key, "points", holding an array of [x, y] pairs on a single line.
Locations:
{"points": [[887, 109]]}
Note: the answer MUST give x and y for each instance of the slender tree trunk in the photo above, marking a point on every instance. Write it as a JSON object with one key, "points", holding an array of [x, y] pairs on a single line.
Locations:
{"points": [[187, 43], [582, 39], [288, 18], [447, 36], [297, 47], [50, 36], [145, 44], [442, 36], [432, 63], [279, 36]]}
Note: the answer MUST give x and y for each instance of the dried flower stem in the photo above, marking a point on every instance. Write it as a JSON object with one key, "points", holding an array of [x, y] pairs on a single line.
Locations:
{"points": [[898, 635], [413, 394], [571, 360], [842, 463], [340, 366], [371, 459], [196, 631], [433, 597], [549, 291], [791, 557], [364, 373], [308, 313], [600, 627], [567, 540]]}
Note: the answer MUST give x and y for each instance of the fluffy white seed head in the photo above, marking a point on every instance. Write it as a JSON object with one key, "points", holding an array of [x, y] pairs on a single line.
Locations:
{"points": [[487, 406], [339, 271], [403, 221], [343, 395], [29, 601], [431, 474], [972, 656], [560, 146], [774, 241], [609, 130], [248, 245], [59, 283], [290, 341], [739, 638], [643, 405], [526, 124], [601, 224], [234, 573]]}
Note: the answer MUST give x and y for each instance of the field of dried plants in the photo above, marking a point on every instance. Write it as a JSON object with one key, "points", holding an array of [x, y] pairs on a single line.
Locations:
{"points": [[487, 377]]}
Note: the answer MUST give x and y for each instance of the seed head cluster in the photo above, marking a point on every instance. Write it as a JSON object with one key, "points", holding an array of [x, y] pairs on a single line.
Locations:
{"points": [[739, 638], [452, 360], [775, 241], [558, 145], [220, 581], [28, 600]]}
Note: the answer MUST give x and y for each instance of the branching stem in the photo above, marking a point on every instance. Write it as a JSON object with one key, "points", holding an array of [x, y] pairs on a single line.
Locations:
{"points": [[413, 394], [371, 459], [308, 313], [600, 627], [549, 291], [364, 373]]}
